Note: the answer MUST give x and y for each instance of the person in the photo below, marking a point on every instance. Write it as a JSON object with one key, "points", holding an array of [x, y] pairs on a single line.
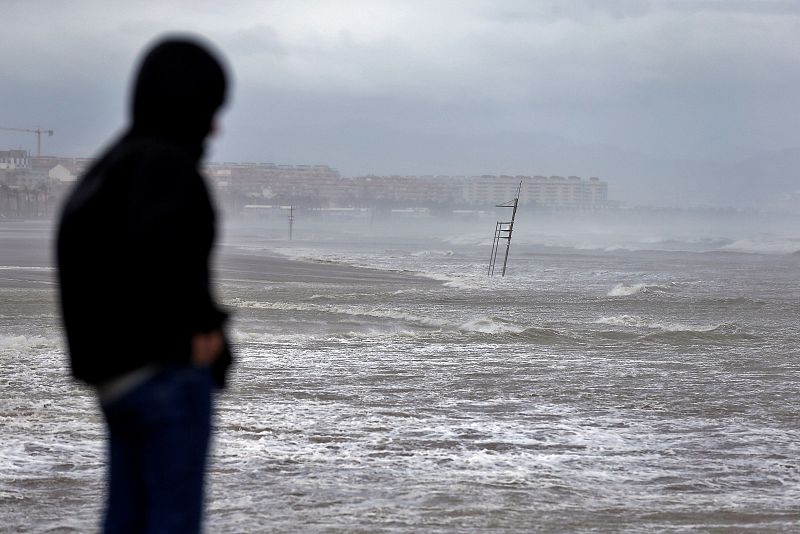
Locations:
{"points": [[142, 327]]}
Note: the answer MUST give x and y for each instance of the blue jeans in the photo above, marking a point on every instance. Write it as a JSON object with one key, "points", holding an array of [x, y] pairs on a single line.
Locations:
{"points": [[158, 444]]}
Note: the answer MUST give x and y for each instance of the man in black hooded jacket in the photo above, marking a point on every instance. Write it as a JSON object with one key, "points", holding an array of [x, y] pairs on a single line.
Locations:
{"points": [[133, 250]]}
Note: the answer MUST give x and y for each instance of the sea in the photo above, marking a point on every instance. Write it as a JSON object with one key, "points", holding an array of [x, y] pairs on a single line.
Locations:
{"points": [[627, 374]]}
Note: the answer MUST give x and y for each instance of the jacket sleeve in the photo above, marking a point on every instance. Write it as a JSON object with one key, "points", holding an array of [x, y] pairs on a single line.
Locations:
{"points": [[171, 226]]}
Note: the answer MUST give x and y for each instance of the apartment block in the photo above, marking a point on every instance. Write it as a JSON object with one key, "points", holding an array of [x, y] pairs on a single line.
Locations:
{"points": [[552, 191]]}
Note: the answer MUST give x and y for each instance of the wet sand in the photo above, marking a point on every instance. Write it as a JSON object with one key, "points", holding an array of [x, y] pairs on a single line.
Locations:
{"points": [[237, 265], [26, 255], [28, 261]]}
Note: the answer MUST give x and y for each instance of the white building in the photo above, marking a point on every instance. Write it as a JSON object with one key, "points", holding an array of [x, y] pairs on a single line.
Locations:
{"points": [[553, 191], [62, 174], [15, 159]]}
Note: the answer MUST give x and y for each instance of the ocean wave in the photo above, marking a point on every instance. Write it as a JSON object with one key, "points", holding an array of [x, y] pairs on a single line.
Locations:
{"points": [[635, 321], [661, 331], [731, 301], [458, 281], [264, 338], [19, 316], [340, 296], [765, 245], [615, 335], [21, 343], [475, 238], [491, 325], [335, 258], [496, 325], [362, 311], [426, 253], [540, 334], [316, 256], [25, 268], [478, 325], [634, 244], [622, 290], [686, 244], [623, 320], [722, 332]]}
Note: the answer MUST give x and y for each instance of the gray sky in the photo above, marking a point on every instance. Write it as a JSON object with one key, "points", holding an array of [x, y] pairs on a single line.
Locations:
{"points": [[410, 87]]}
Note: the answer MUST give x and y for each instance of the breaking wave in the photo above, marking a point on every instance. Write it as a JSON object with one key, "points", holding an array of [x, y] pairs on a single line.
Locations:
{"points": [[479, 325], [660, 331], [622, 290], [635, 321], [623, 320], [21, 344], [425, 253], [766, 244], [722, 332], [25, 268]]}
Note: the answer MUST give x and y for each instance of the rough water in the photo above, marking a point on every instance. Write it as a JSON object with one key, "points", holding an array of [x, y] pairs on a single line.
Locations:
{"points": [[385, 384]]}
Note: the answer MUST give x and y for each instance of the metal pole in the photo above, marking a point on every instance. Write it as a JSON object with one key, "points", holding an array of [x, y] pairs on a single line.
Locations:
{"points": [[493, 255], [510, 229], [291, 220]]}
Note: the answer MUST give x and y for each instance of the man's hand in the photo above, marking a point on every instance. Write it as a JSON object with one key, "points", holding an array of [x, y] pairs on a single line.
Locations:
{"points": [[206, 347]]}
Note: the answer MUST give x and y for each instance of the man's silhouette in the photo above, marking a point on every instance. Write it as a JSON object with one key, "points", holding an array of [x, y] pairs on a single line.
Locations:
{"points": [[134, 241]]}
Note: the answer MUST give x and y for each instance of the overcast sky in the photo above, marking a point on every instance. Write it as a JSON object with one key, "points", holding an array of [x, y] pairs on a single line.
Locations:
{"points": [[332, 81]]}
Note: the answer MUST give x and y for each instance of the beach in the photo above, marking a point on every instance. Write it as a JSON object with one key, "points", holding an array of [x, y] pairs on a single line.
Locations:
{"points": [[384, 384]]}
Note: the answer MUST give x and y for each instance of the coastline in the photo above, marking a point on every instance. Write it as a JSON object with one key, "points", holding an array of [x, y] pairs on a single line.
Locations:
{"points": [[237, 264], [28, 263]]}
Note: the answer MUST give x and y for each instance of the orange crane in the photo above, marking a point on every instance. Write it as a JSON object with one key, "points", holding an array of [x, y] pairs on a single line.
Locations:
{"points": [[37, 131]]}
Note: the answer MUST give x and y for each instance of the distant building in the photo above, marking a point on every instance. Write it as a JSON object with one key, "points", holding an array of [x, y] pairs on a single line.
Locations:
{"points": [[265, 187], [322, 186], [15, 159], [44, 164], [62, 174], [267, 180], [553, 191]]}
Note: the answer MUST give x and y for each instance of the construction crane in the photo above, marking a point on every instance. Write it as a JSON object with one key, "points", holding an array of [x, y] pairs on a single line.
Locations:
{"points": [[37, 131]]}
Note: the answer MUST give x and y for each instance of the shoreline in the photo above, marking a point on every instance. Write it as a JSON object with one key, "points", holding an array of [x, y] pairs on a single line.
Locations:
{"points": [[235, 264], [28, 263]]}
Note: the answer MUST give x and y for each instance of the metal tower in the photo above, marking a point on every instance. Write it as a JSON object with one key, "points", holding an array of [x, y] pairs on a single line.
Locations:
{"points": [[503, 230]]}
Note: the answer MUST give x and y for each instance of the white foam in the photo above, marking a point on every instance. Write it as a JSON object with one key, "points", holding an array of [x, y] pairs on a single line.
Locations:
{"points": [[317, 256], [268, 338], [337, 309], [634, 321], [766, 244], [24, 268], [458, 281], [489, 325], [423, 253], [22, 343], [623, 320], [621, 290], [475, 238]]}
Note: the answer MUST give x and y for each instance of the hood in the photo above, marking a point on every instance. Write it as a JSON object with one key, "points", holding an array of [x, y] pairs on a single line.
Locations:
{"points": [[178, 89]]}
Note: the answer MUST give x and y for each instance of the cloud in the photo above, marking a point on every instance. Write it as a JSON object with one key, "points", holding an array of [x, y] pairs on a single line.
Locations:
{"points": [[687, 78]]}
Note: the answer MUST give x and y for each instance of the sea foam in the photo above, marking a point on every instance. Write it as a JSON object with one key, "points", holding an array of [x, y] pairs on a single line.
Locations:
{"points": [[622, 290]]}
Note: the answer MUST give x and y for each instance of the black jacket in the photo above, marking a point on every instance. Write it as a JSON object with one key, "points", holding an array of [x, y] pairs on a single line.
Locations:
{"points": [[136, 233]]}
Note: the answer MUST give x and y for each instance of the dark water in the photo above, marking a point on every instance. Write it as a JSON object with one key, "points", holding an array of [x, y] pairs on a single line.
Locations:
{"points": [[617, 388]]}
